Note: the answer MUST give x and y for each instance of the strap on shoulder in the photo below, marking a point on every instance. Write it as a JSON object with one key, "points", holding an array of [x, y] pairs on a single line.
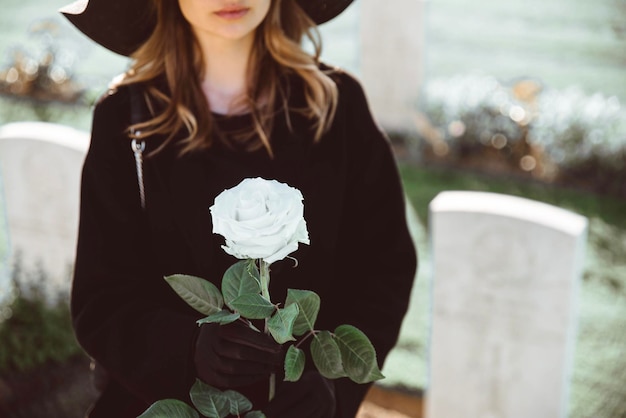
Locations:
{"points": [[137, 115]]}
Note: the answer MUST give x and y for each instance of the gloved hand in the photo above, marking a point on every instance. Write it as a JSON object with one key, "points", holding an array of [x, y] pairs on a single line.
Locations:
{"points": [[313, 396], [233, 355]]}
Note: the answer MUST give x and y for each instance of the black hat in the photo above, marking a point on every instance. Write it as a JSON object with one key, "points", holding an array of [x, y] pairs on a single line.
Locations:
{"points": [[124, 25]]}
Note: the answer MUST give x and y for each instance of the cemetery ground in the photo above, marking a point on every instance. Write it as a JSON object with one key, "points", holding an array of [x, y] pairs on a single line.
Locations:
{"points": [[43, 373]]}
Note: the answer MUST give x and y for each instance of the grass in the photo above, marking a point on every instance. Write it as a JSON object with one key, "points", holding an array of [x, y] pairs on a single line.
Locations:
{"points": [[600, 354], [423, 184]]}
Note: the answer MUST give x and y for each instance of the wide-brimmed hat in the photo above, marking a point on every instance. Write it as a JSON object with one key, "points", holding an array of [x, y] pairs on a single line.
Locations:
{"points": [[124, 25]]}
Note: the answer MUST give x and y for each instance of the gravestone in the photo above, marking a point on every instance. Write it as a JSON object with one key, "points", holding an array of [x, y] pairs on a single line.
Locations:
{"points": [[392, 53], [506, 274], [384, 47], [40, 166]]}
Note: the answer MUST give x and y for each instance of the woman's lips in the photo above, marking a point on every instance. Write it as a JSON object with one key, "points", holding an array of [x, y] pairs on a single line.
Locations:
{"points": [[232, 13]]}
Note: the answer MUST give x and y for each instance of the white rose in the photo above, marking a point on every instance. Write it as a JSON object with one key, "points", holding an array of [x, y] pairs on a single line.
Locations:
{"points": [[260, 219]]}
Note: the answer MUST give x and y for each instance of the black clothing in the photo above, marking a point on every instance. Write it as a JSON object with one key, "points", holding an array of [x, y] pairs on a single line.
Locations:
{"points": [[361, 260]]}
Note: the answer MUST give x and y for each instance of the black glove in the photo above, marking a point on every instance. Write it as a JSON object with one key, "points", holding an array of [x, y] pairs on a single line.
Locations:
{"points": [[233, 355], [313, 396]]}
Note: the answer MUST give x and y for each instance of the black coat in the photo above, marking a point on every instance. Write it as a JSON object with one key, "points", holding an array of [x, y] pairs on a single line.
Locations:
{"points": [[361, 260]]}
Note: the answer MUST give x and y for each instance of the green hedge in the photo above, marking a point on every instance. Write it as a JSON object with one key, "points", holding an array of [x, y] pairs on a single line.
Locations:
{"points": [[36, 332]]}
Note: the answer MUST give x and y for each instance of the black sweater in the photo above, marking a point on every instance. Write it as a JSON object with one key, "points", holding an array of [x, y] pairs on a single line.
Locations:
{"points": [[361, 260]]}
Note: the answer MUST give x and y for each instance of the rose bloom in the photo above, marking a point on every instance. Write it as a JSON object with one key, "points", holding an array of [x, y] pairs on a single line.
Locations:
{"points": [[260, 218]]}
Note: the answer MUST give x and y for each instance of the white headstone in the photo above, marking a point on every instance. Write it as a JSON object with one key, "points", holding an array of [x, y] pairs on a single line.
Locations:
{"points": [[384, 47], [40, 166], [506, 273], [392, 57]]}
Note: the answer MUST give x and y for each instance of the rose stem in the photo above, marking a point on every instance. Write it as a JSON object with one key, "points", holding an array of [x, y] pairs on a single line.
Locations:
{"points": [[265, 291]]}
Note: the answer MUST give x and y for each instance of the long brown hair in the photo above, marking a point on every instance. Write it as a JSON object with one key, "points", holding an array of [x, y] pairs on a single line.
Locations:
{"points": [[172, 53]]}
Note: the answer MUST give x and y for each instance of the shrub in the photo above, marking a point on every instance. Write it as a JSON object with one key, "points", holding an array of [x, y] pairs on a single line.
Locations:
{"points": [[473, 111], [35, 331], [585, 136], [474, 121], [565, 136]]}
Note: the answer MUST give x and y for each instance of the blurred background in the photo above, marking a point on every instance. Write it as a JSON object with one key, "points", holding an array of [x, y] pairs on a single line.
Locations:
{"points": [[522, 98]]}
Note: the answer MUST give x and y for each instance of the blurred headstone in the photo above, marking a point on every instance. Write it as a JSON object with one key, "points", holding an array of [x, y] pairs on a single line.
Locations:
{"points": [[384, 47], [40, 165], [506, 275], [392, 56]]}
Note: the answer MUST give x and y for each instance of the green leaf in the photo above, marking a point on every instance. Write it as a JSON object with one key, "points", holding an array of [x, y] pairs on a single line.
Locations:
{"points": [[326, 355], [294, 364], [253, 306], [280, 325], [222, 317], [239, 404], [211, 402], [309, 304], [200, 294], [169, 408], [357, 354], [241, 278], [255, 414]]}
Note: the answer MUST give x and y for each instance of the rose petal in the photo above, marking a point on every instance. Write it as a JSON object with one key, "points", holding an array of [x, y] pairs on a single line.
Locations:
{"points": [[260, 219]]}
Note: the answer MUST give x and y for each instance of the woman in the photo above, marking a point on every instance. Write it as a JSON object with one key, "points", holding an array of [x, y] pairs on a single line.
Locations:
{"points": [[224, 92]]}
